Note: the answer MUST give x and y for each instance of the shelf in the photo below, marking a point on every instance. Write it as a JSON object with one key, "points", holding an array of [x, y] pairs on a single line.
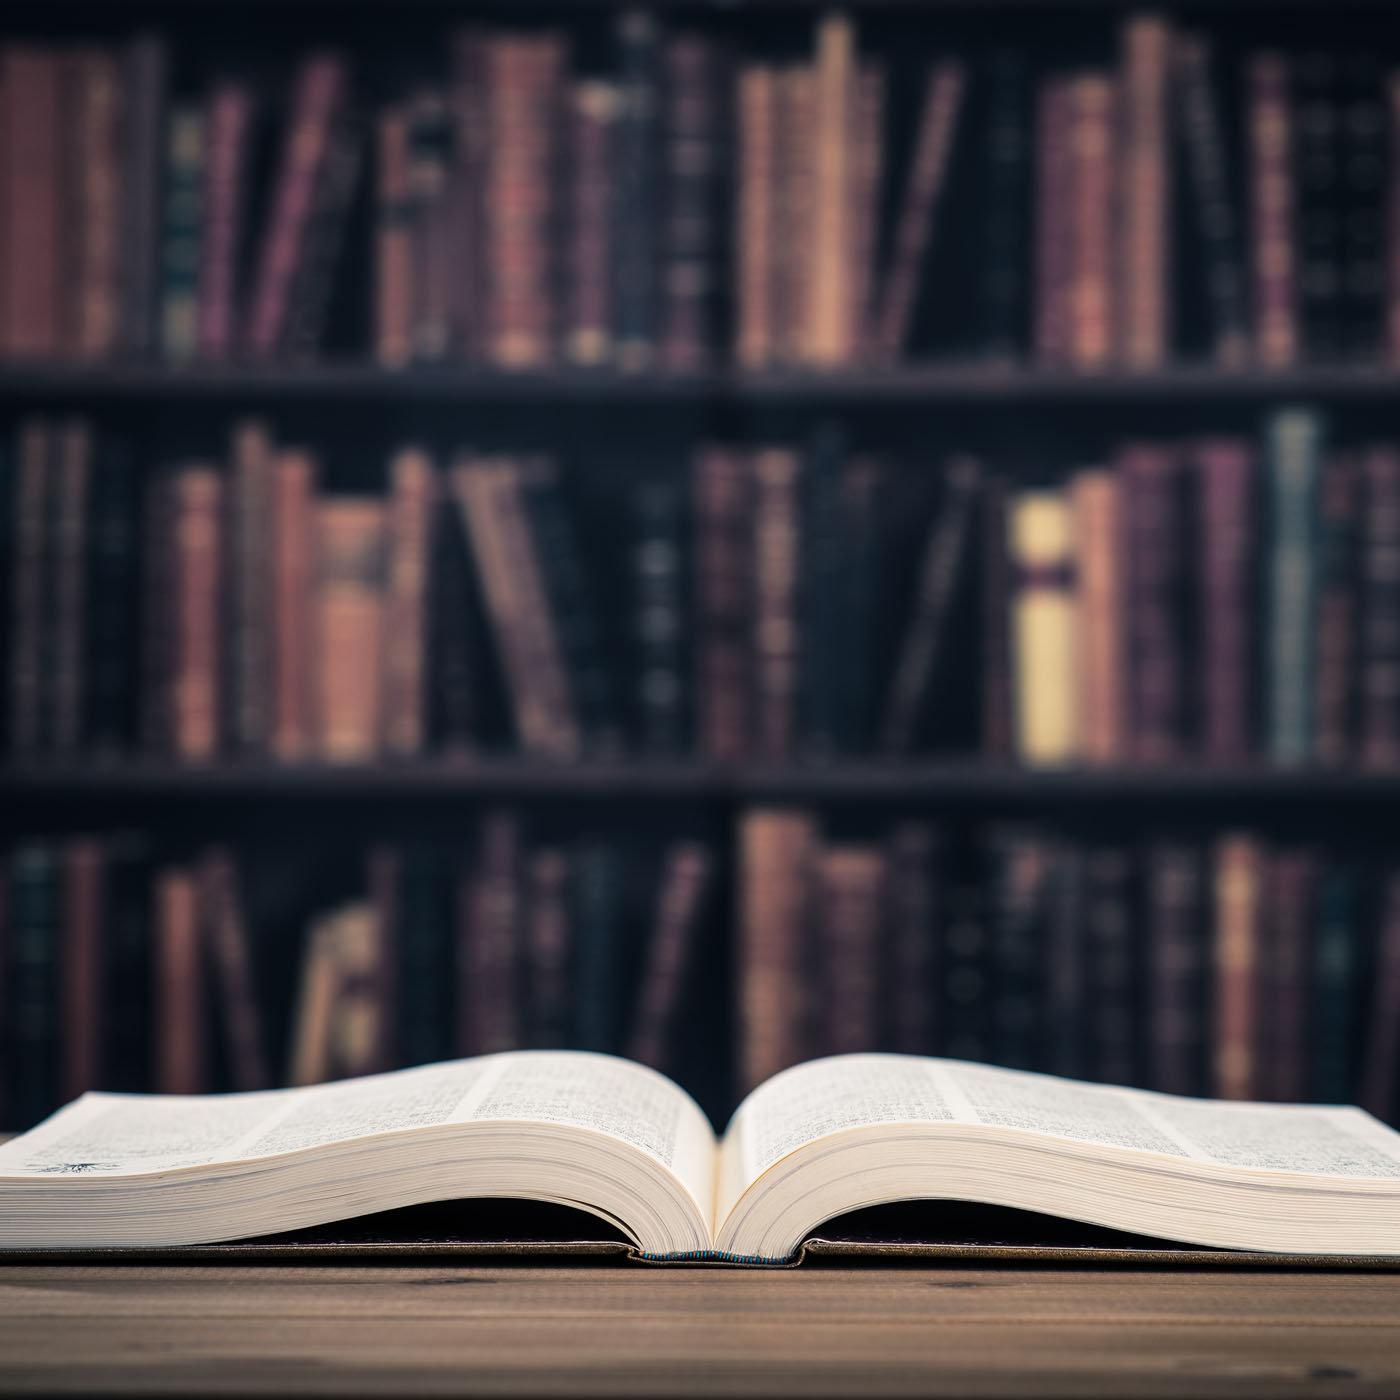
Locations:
{"points": [[944, 384], [921, 780]]}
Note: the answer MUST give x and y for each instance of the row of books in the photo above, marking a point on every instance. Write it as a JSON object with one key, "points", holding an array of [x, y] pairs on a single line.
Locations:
{"points": [[1217, 597], [1230, 966], [126, 968], [527, 212]]}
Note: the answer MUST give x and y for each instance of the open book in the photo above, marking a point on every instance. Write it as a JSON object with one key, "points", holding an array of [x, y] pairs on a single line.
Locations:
{"points": [[623, 1142]]}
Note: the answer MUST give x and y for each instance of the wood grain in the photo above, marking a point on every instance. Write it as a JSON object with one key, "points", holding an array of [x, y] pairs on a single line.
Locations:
{"points": [[599, 1330]]}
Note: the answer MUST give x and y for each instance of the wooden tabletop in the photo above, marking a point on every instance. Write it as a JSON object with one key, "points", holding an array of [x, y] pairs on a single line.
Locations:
{"points": [[599, 1330]]}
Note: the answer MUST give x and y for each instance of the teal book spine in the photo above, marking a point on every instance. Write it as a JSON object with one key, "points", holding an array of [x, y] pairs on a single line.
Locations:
{"points": [[1294, 451]]}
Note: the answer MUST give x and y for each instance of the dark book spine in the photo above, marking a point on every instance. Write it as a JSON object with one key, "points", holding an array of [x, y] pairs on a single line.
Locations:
{"points": [[1156, 665], [113, 595], [430, 223], [393, 240], [689, 253], [1380, 609], [1226, 629], [424, 1019], [964, 982], [860, 496], [228, 141], [851, 894], [470, 142], [776, 643], [593, 135], [1213, 211], [723, 593], [1017, 884], [29, 586], [229, 945], [823, 530], [10, 546], [1294, 446], [793, 268], [659, 623], [996, 621], [1273, 212], [1335, 985], [549, 938], [1108, 931], [81, 966], [1004, 254], [451, 629], [34, 914], [1067, 999], [248, 589], [157, 619], [1317, 154], [1391, 288], [866, 184], [145, 67], [913, 926], [1381, 1061], [96, 205], [1176, 1031], [68, 650], [1283, 1001], [597, 898], [413, 493], [1363, 190], [182, 232], [1335, 667], [755, 216], [638, 190], [129, 978], [1052, 222], [490, 1005]]}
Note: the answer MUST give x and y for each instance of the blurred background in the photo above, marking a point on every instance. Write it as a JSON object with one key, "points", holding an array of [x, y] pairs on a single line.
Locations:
{"points": [[718, 533]]}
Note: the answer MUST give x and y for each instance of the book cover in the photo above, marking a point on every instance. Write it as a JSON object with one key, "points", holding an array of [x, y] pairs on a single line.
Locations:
{"points": [[394, 297], [755, 216], [830, 336], [1092, 312]]}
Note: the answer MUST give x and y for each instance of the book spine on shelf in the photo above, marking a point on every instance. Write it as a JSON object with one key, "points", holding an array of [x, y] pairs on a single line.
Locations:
{"points": [[1334, 991], [182, 231], [1176, 1038], [1067, 1003], [96, 204], [1053, 238], [1225, 469], [293, 493], [413, 491], [598, 890], [776, 644], [383, 997], [129, 1042], [157, 614], [689, 255], [113, 596], [639, 190], [430, 235], [996, 580], [795, 191], [1043, 617], [1381, 1056], [593, 116], [34, 898], [1208, 186], [857, 617], [1283, 1029], [81, 968], [228, 945], [424, 1020], [249, 591], [452, 630], [1092, 110], [866, 187], [1151, 477], [1317, 156], [181, 1066], [658, 619], [489, 1005], [197, 535], [1380, 609], [1336, 663], [823, 529], [1114, 1048], [69, 653], [829, 338], [1017, 886], [393, 240], [470, 155], [1294, 447], [348, 627], [913, 927], [963, 1000], [1364, 185], [1238, 899], [776, 848], [1391, 290], [145, 66], [1096, 504], [1005, 261], [755, 221], [851, 884], [1273, 212], [723, 592], [228, 142], [549, 946]]}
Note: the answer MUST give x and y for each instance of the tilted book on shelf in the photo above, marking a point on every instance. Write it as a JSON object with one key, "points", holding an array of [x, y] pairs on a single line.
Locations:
{"points": [[621, 1142]]}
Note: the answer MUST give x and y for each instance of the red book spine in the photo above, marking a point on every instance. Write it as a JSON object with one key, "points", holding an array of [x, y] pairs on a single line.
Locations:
{"points": [[229, 132], [393, 287], [491, 919], [198, 502], [179, 999], [1226, 619], [1090, 131], [1273, 212], [777, 643], [1052, 240], [755, 216], [97, 236], [723, 587], [471, 145], [1238, 899], [294, 480], [852, 887], [794, 244], [81, 968]]}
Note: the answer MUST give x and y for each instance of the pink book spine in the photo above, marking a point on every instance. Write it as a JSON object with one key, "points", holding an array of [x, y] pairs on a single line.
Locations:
{"points": [[229, 120]]}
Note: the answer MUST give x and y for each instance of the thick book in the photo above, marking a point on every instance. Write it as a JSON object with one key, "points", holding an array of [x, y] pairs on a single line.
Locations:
{"points": [[625, 1143]]}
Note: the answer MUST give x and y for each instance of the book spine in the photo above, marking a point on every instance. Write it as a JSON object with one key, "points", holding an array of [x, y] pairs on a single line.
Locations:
{"points": [[393, 240], [867, 175], [1380, 610], [1018, 888], [34, 906], [635, 277], [928, 173], [228, 138], [823, 528], [1144, 296], [157, 614], [1335, 664], [490, 1004], [659, 625], [723, 589], [939, 574], [1095, 501], [670, 953], [82, 968], [1238, 900], [857, 617], [249, 591], [829, 339], [1283, 1032], [1392, 228], [318, 96], [293, 488], [522, 75], [452, 631], [962, 1007], [1209, 188], [179, 1000], [1156, 665], [30, 82], [775, 848], [1226, 470], [97, 201], [913, 924], [549, 936], [34, 471], [1005, 251], [755, 225], [794, 268], [597, 901], [1294, 444], [1334, 987], [1276, 331], [593, 128], [197, 536], [689, 255], [1176, 970], [430, 225], [1089, 128], [349, 628], [1111, 947], [1042, 611], [1053, 240], [1067, 964], [777, 646], [112, 602], [1364, 186], [852, 885], [228, 945], [181, 233], [310, 1056], [470, 152], [996, 728], [128, 981], [384, 883], [424, 1020], [1377, 1092], [413, 492], [70, 559], [145, 68], [1317, 154]]}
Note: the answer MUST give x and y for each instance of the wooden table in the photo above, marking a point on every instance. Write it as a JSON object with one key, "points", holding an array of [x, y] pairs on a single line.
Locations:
{"points": [[522, 1329]]}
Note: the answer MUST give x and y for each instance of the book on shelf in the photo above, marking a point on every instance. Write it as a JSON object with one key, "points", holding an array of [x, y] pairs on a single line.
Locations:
{"points": [[623, 1142]]}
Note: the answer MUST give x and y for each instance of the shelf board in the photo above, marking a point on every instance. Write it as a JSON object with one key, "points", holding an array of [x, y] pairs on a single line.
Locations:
{"points": [[952, 780], [944, 384]]}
